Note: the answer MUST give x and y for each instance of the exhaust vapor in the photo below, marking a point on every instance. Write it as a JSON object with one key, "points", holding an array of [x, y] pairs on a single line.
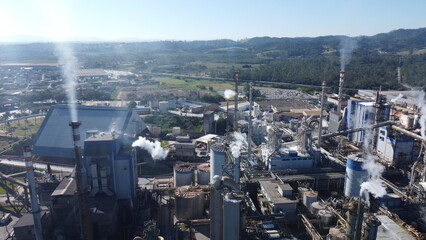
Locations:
{"points": [[422, 106], [228, 94], [238, 141], [153, 148], [397, 98], [347, 46]]}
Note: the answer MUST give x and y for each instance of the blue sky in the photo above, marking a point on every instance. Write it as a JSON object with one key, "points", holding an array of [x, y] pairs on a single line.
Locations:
{"points": [[204, 20]]}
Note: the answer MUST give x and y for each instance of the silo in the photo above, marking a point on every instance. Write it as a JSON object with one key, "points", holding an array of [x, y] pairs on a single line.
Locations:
{"points": [[231, 216], [204, 174], [354, 176], [217, 160], [183, 174], [309, 197], [316, 207], [325, 217], [189, 203]]}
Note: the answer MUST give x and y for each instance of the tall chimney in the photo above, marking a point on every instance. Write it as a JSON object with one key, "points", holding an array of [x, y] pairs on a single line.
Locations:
{"points": [[236, 102], [35, 209], [83, 201], [250, 127], [341, 83], [321, 115]]}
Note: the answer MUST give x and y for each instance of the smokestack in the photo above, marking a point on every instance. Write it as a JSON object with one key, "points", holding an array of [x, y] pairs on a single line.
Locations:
{"points": [[35, 210], [250, 128], [321, 115], [83, 201], [236, 102], [341, 83]]}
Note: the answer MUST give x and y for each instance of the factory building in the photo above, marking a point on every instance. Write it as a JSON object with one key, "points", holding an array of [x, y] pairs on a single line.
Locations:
{"points": [[279, 198], [395, 149], [290, 159], [360, 113], [53, 141]]}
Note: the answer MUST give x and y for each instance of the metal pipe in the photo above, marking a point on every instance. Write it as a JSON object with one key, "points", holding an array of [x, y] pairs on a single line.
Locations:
{"points": [[35, 209], [83, 201], [236, 102], [408, 133], [321, 115], [356, 130]]}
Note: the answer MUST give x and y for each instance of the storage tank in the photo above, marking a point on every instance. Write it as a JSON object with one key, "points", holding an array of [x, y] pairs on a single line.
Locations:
{"points": [[316, 207], [189, 201], [231, 216], [326, 217], [354, 176], [309, 197], [203, 174], [217, 160], [407, 121], [183, 174], [336, 234]]}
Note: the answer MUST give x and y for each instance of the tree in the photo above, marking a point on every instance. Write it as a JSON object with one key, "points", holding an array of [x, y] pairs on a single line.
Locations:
{"points": [[132, 104]]}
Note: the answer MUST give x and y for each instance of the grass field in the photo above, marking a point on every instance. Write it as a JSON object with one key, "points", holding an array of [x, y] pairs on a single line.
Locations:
{"points": [[21, 128]]}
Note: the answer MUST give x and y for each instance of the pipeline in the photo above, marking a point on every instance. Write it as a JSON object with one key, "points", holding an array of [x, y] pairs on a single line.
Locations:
{"points": [[356, 130]]}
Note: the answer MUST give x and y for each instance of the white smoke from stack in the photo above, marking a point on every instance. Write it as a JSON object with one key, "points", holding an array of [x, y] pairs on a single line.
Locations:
{"points": [[238, 142], [397, 98], [347, 46], [68, 61], [422, 106], [374, 185], [153, 148], [228, 94]]}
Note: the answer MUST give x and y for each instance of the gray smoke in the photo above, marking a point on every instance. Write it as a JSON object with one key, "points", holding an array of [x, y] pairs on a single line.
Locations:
{"points": [[68, 62], [153, 148], [347, 46], [238, 141]]}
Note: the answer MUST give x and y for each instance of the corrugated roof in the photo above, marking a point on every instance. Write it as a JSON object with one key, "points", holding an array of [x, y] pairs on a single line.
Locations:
{"points": [[54, 138]]}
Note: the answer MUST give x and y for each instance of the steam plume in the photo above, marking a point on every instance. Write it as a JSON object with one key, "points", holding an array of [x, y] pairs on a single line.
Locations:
{"points": [[397, 98], [374, 185], [422, 120], [228, 94], [153, 148], [68, 62], [347, 46], [238, 141]]}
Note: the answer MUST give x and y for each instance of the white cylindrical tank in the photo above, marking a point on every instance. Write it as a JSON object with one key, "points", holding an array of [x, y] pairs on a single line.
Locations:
{"points": [[176, 131], [189, 203], [354, 176], [316, 207], [309, 197], [217, 160], [183, 174], [204, 174], [231, 217], [336, 234], [326, 217], [407, 121]]}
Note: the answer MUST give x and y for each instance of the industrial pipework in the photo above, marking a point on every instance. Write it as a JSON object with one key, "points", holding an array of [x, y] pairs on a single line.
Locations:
{"points": [[83, 201], [35, 209]]}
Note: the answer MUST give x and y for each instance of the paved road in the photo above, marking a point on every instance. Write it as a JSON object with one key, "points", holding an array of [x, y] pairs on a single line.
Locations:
{"points": [[40, 166]]}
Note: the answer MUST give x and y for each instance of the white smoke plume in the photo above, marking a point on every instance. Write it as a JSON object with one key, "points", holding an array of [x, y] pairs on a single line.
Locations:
{"points": [[397, 98], [68, 61], [228, 94], [347, 46], [238, 141], [374, 185], [153, 148], [422, 106]]}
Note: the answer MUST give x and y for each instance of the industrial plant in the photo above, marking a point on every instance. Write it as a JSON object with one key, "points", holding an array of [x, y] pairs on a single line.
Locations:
{"points": [[356, 171]]}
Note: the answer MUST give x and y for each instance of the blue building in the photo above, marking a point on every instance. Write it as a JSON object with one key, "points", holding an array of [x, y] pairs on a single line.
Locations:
{"points": [[110, 166], [395, 149], [361, 113]]}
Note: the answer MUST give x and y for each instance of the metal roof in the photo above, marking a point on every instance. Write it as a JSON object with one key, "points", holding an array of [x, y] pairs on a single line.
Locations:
{"points": [[54, 138]]}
